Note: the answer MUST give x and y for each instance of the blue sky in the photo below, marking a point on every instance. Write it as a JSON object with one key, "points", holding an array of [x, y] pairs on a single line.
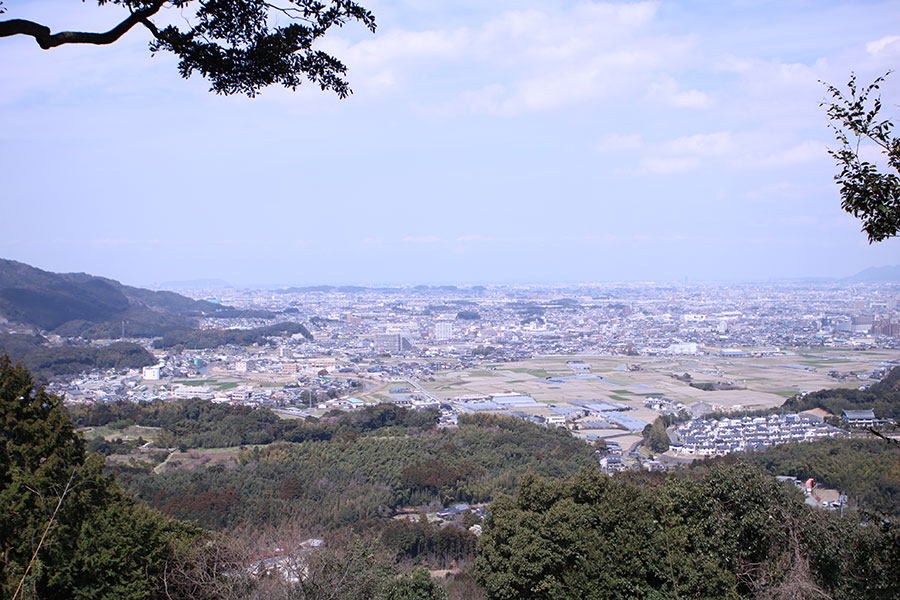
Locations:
{"points": [[484, 142]]}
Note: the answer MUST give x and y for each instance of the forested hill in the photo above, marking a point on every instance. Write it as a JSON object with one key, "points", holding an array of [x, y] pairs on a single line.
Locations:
{"points": [[883, 397], [81, 304], [46, 360]]}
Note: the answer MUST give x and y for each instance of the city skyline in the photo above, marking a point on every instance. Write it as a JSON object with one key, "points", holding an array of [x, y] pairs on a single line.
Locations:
{"points": [[504, 143]]}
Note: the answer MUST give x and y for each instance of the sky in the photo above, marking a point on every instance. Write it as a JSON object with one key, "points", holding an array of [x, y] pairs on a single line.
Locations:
{"points": [[485, 142]]}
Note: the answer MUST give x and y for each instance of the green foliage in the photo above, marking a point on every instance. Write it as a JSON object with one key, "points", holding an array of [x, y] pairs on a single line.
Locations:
{"points": [[203, 424], [734, 533], [415, 585], [718, 386], [883, 397], [354, 471], [867, 193], [655, 436], [421, 540], [47, 361], [198, 339], [97, 530], [115, 446], [867, 470]]}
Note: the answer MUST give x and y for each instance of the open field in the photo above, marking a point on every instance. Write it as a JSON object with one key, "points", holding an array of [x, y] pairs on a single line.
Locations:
{"points": [[200, 457], [768, 381], [129, 433]]}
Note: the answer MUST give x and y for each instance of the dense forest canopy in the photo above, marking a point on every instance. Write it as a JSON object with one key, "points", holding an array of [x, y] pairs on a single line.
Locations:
{"points": [[362, 466], [199, 339], [733, 533]]}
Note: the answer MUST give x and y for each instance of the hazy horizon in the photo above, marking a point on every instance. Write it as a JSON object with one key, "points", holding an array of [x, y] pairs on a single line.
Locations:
{"points": [[213, 282]]}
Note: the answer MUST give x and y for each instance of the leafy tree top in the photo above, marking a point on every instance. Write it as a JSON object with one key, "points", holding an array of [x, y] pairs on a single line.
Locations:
{"points": [[867, 192], [240, 46]]}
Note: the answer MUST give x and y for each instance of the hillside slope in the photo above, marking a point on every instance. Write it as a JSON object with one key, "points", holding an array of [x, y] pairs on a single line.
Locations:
{"points": [[82, 304]]}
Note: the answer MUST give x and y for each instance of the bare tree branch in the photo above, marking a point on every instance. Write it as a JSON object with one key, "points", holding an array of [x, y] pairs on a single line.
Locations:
{"points": [[47, 40]]}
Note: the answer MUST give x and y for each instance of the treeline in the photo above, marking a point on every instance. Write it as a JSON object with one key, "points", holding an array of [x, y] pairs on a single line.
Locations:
{"points": [[355, 476], [732, 533], [47, 361], [139, 322], [188, 424], [717, 386], [420, 540], [655, 435], [201, 339], [883, 397], [867, 470]]}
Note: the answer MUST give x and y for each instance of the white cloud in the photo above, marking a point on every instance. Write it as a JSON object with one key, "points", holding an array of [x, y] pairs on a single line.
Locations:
{"points": [[724, 150], [525, 61], [709, 144], [886, 43], [666, 92]]}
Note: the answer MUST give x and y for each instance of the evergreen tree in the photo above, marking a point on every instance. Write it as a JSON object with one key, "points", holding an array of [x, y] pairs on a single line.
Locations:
{"points": [[61, 519]]}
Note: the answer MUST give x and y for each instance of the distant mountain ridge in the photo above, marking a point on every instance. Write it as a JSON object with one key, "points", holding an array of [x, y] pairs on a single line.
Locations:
{"points": [[876, 274], [80, 304]]}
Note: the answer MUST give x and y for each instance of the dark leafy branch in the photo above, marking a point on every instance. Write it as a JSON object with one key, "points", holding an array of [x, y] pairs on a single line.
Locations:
{"points": [[238, 45], [867, 193]]}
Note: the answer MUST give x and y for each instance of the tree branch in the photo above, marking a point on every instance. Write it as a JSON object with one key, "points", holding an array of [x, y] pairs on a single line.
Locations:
{"points": [[46, 40]]}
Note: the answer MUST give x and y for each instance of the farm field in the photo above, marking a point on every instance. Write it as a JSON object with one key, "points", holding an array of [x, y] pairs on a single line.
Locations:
{"points": [[766, 381]]}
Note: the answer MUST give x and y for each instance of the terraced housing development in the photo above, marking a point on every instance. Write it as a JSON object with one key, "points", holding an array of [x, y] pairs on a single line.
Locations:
{"points": [[717, 437]]}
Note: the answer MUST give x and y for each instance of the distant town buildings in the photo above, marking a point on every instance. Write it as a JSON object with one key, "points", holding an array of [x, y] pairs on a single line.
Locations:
{"points": [[443, 331]]}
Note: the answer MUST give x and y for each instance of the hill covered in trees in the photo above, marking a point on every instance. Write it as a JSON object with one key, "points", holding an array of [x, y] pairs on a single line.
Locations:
{"points": [[883, 397], [45, 360], [338, 470], [732, 532], [199, 339], [67, 530], [867, 470], [78, 304]]}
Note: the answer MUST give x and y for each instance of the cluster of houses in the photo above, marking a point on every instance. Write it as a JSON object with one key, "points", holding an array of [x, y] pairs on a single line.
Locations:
{"points": [[717, 437]]}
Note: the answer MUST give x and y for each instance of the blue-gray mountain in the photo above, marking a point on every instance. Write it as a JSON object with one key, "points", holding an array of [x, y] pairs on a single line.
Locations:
{"points": [[78, 304]]}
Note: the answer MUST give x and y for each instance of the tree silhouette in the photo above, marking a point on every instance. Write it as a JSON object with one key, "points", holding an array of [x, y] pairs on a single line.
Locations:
{"points": [[240, 46]]}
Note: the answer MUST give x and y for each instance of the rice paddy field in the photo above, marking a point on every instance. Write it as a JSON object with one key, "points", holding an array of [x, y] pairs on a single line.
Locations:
{"points": [[763, 382]]}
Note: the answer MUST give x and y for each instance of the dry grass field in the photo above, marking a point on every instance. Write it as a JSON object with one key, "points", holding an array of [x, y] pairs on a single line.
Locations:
{"points": [[767, 381]]}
